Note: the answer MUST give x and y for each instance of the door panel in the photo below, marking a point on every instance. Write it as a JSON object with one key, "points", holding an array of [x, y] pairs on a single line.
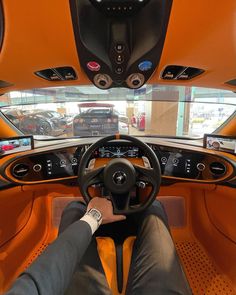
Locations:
{"points": [[221, 207], [15, 209]]}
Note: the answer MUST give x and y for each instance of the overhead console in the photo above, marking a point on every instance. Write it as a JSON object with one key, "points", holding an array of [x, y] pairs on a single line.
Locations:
{"points": [[119, 43]]}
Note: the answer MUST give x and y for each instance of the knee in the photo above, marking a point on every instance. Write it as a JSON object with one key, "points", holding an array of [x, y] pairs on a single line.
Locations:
{"points": [[158, 210]]}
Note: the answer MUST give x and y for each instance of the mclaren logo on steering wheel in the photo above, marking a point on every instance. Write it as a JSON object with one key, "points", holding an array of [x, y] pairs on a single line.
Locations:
{"points": [[119, 177]]}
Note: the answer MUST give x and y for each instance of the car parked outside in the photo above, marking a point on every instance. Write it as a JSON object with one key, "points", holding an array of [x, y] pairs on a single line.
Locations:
{"points": [[14, 115], [95, 119], [41, 122]]}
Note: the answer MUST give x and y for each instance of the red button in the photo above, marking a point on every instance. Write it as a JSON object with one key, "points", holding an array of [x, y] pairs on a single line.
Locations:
{"points": [[93, 66]]}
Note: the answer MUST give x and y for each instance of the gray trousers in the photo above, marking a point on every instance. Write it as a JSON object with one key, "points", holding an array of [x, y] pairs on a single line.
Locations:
{"points": [[155, 267]]}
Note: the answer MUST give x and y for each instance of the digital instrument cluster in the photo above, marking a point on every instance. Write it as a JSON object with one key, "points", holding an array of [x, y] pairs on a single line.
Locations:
{"points": [[117, 152]]}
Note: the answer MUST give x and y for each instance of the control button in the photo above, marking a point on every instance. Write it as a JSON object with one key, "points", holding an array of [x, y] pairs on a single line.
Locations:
{"points": [[201, 166], [63, 163], [145, 65], [93, 66], [175, 161], [37, 167], [171, 72], [141, 184], [102, 81], [163, 160], [135, 80], [54, 77], [119, 47], [119, 59], [168, 76], [119, 70], [183, 77], [188, 163], [70, 76], [74, 161]]}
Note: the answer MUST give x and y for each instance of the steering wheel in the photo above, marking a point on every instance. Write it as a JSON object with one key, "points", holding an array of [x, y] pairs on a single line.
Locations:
{"points": [[120, 177]]}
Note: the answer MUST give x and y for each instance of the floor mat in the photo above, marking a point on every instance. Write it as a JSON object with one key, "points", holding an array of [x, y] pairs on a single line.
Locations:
{"points": [[204, 277], [202, 274]]}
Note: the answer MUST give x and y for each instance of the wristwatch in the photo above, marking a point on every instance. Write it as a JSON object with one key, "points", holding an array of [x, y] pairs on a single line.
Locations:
{"points": [[95, 214]]}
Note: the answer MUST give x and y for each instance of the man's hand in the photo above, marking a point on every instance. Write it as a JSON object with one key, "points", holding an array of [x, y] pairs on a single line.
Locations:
{"points": [[106, 209]]}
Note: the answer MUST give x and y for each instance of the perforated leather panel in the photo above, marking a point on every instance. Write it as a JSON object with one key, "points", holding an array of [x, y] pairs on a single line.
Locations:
{"points": [[202, 274]]}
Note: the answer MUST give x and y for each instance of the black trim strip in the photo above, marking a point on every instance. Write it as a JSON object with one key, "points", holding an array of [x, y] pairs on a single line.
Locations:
{"points": [[119, 266]]}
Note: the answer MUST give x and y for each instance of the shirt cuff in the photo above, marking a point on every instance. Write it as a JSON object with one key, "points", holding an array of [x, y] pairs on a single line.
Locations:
{"points": [[91, 222]]}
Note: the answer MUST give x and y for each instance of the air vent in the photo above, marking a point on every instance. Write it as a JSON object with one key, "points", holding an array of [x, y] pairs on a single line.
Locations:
{"points": [[180, 73], [57, 74], [20, 170], [231, 82], [217, 168]]}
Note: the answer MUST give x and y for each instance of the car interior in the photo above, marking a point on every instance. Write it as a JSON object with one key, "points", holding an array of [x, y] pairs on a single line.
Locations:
{"points": [[157, 83]]}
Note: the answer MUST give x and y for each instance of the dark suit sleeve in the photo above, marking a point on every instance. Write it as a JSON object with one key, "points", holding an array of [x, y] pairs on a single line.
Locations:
{"points": [[51, 273]]}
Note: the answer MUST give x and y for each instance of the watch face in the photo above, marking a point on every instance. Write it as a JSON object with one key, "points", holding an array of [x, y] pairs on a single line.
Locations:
{"points": [[96, 214]]}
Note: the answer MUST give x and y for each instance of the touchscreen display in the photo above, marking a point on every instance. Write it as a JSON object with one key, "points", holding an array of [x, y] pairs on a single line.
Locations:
{"points": [[61, 164], [220, 143], [15, 144]]}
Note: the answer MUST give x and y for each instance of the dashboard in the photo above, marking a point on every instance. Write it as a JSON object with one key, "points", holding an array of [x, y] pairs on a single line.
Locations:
{"points": [[177, 162]]}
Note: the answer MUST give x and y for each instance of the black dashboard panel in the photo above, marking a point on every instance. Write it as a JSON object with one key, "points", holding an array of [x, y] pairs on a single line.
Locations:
{"points": [[54, 165], [176, 163], [179, 163]]}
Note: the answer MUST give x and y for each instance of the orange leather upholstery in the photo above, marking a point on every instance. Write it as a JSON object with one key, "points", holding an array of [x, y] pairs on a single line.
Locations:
{"points": [[107, 253]]}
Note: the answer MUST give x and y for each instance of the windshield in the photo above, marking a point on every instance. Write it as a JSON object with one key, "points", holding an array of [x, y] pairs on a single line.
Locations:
{"points": [[87, 111]]}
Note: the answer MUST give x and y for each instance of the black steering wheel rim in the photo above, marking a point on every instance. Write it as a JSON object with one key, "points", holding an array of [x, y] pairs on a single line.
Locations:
{"points": [[151, 175]]}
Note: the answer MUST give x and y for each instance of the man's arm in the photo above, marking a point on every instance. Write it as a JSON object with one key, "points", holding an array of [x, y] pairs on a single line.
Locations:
{"points": [[51, 273]]}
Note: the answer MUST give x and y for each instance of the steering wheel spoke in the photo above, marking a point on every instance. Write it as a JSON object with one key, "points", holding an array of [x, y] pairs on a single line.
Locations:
{"points": [[94, 176], [120, 202], [145, 174]]}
